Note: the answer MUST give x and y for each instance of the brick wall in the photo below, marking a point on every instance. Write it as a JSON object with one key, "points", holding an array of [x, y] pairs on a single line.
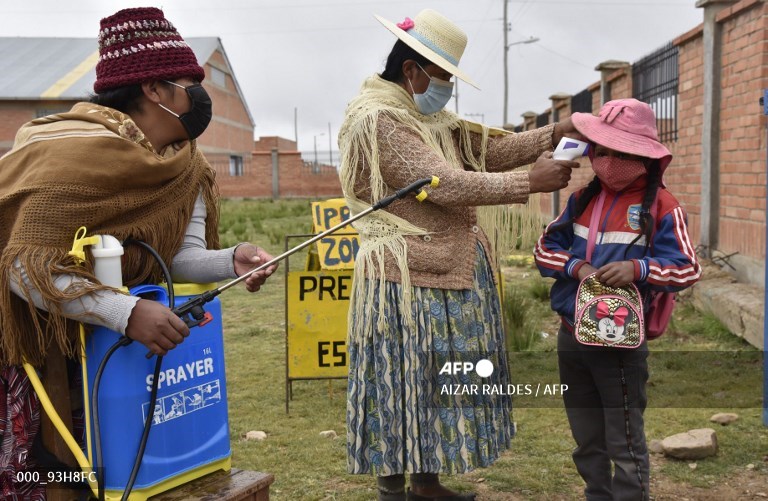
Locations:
{"points": [[683, 177], [742, 125], [742, 144], [230, 132], [296, 178], [14, 114]]}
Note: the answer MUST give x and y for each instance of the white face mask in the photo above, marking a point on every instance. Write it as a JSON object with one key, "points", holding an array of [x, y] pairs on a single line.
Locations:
{"points": [[436, 96]]}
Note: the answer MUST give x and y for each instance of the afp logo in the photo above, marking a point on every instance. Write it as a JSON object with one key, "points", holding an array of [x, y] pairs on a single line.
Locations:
{"points": [[483, 368]]}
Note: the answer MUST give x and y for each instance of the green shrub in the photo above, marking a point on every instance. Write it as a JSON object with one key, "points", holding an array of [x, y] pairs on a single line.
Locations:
{"points": [[539, 289], [520, 328]]}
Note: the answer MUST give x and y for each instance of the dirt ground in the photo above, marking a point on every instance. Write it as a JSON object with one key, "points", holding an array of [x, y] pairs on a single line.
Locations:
{"points": [[744, 486]]}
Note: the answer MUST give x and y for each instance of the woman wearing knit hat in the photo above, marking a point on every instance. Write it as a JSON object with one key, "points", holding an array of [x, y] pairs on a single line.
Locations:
{"points": [[424, 293], [125, 164]]}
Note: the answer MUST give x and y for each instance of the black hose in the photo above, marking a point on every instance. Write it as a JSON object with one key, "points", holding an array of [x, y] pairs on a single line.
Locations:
{"points": [[125, 341], [155, 379], [145, 433], [95, 406]]}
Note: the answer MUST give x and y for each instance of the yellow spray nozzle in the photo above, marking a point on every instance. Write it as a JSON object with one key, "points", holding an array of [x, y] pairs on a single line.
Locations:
{"points": [[422, 195], [80, 242]]}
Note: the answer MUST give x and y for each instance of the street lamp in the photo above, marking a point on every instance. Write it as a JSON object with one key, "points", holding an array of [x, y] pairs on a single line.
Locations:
{"points": [[506, 68], [315, 164]]}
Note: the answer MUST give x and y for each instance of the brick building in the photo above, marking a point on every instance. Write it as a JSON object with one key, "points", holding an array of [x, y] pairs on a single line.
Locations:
{"points": [[705, 87], [40, 76]]}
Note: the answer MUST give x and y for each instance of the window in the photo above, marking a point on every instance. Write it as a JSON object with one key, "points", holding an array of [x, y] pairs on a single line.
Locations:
{"points": [[235, 165], [218, 77]]}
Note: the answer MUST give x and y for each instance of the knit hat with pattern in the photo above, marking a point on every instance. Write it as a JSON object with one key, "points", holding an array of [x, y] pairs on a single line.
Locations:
{"points": [[136, 45]]}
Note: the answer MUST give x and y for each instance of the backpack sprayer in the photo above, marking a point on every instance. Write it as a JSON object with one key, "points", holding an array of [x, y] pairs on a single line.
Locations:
{"points": [[194, 314]]}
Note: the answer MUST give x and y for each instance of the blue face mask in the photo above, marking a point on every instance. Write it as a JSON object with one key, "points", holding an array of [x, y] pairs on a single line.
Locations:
{"points": [[436, 96]]}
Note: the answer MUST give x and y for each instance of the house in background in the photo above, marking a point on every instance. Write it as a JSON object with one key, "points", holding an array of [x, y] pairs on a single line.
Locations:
{"points": [[41, 76]]}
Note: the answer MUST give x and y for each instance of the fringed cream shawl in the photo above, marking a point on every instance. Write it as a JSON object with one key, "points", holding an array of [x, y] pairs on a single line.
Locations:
{"points": [[382, 231]]}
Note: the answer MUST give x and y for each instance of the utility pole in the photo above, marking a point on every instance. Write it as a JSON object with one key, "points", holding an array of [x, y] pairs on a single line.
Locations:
{"points": [[315, 165], [296, 127], [330, 145], [507, 45], [456, 95], [505, 51]]}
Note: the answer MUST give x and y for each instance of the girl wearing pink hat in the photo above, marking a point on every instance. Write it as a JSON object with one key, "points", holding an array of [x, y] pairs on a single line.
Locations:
{"points": [[641, 238]]}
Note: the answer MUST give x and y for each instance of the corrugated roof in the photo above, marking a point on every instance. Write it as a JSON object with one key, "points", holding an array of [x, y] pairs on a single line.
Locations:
{"points": [[65, 68]]}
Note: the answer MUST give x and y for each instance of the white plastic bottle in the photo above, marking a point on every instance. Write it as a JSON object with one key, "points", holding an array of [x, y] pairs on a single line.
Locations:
{"points": [[107, 264]]}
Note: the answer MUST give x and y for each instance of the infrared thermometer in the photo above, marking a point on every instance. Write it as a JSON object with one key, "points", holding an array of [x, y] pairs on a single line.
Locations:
{"points": [[570, 149]]}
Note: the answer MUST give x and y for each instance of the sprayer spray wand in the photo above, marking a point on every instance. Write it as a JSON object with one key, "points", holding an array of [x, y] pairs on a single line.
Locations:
{"points": [[192, 312]]}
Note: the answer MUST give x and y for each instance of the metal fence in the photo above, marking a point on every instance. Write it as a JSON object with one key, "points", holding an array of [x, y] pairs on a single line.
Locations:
{"points": [[582, 102], [542, 119], [655, 81], [320, 158]]}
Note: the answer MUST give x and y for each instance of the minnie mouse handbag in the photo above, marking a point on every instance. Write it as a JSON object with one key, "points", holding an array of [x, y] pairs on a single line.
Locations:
{"points": [[608, 316]]}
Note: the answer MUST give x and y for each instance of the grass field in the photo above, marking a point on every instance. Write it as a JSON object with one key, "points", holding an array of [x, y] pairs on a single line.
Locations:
{"points": [[697, 369]]}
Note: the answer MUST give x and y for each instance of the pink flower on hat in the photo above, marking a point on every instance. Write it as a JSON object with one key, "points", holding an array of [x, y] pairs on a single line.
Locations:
{"points": [[406, 25]]}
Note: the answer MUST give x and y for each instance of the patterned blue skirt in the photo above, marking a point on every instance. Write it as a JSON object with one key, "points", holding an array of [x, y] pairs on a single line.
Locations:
{"points": [[410, 407]]}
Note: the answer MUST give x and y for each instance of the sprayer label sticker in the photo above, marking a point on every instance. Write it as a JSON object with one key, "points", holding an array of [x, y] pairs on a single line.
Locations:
{"points": [[181, 373], [184, 402], [633, 216]]}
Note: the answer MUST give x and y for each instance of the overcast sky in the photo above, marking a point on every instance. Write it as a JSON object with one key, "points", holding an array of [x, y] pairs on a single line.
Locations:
{"points": [[312, 55]]}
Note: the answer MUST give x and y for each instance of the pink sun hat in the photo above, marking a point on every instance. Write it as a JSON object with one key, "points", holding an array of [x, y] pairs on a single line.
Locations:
{"points": [[625, 125]]}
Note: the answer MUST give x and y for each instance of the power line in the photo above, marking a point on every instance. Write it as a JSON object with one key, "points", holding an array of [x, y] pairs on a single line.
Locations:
{"points": [[485, 18], [565, 57], [605, 2], [491, 52], [521, 12]]}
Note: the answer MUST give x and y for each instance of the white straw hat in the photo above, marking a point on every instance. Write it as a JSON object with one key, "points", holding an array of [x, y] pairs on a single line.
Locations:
{"points": [[434, 37]]}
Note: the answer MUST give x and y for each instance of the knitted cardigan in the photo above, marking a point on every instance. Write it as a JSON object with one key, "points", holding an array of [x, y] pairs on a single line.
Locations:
{"points": [[386, 144]]}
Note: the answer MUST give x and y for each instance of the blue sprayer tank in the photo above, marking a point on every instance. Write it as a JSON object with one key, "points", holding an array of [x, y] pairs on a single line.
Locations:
{"points": [[190, 431]]}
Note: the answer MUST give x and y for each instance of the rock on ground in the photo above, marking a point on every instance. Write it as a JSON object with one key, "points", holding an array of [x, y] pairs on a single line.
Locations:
{"points": [[693, 444]]}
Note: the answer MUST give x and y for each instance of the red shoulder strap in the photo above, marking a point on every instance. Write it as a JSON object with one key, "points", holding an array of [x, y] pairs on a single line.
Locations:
{"points": [[594, 223]]}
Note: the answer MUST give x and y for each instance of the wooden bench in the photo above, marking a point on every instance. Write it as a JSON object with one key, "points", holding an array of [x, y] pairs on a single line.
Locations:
{"points": [[235, 485]]}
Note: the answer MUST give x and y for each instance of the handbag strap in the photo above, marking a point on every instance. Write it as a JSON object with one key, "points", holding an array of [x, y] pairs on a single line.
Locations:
{"points": [[594, 222]]}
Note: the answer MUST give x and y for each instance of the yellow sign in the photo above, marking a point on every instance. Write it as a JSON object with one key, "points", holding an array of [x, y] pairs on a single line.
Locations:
{"points": [[336, 252], [317, 304]]}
